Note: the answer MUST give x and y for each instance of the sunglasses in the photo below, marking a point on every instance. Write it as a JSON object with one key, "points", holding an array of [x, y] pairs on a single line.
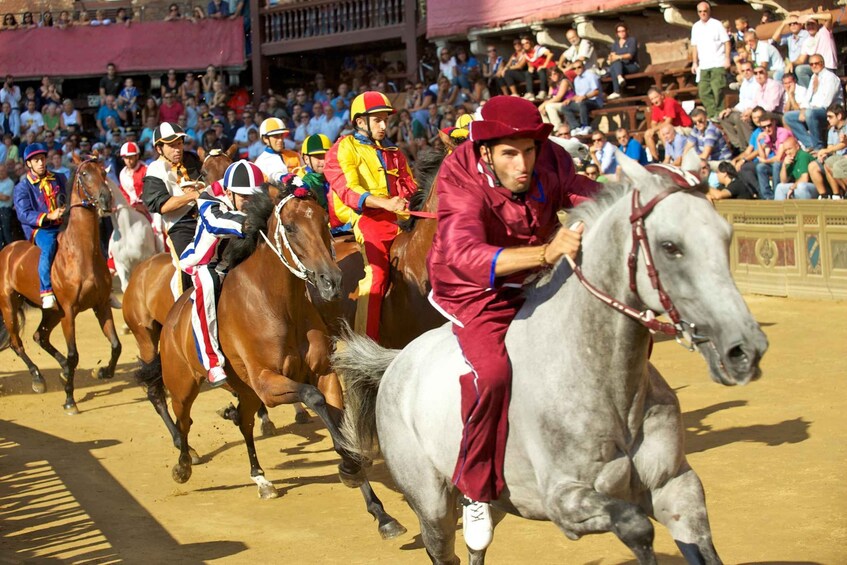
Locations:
{"points": [[578, 67], [765, 126], [759, 72], [815, 64], [747, 70]]}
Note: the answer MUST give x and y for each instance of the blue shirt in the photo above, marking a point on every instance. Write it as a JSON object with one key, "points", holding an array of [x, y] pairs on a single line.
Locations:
{"points": [[795, 45], [32, 204], [7, 188], [104, 112], [635, 150], [213, 9], [588, 82], [711, 137], [676, 147]]}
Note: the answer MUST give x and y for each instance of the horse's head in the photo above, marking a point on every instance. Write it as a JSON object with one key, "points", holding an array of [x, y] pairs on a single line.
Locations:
{"points": [[300, 228], [689, 243], [215, 163], [90, 187]]}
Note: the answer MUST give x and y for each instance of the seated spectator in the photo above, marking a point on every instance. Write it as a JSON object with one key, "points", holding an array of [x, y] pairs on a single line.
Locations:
{"points": [[69, 115], [31, 119], [122, 17], [560, 92], [587, 97], [182, 122], [10, 149], [794, 180], [706, 139], [301, 132], [664, 110], [150, 110], [674, 144], [467, 69], [50, 115], [828, 159], [127, 101], [491, 69], [190, 87], [146, 137], [808, 124], [735, 121], [173, 13], [170, 109], [55, 165], [623, 59], [708, 175], [765, 55], [10, 22], [820, 42], [100, 19], [64, 20], [793, 92], [516, 63], [603, 153], [109, 108], [580, 51], [592, 171], [771, 149], [46, 19], [630, 146], [333, 123], [729, 184], [446, 65], [27, 21], [768, 92], [197, 14], [10, 121], [534, 63], [793, 40], [255, 147]]}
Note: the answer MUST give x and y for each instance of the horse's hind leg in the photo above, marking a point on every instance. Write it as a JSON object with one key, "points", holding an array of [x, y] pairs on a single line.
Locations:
{"points": [[107, 325], [300, 414], [181, 400], [49, 320], [11, 307], [579, 510], [268, 427], [69, 329], [680, 505]]}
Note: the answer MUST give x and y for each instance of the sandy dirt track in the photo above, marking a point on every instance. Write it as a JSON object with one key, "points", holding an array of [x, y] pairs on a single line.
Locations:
{"points": [[97, 488]]}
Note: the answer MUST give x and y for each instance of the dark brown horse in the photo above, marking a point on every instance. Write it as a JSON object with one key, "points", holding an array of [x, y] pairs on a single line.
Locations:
{"points": [[275, 343], [406, 311], [80, 278]]}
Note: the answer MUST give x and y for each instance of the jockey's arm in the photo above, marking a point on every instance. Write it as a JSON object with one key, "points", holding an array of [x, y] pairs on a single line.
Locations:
{"points": [[177, 202], [220, 222]]}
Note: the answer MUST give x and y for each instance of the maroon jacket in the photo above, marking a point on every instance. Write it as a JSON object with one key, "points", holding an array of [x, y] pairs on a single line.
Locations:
{"points": [[477, 220]]}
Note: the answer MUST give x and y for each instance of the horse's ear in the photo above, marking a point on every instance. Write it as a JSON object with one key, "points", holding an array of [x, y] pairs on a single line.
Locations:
{"points": [[201, 153], [640, 177], [76, 159], [232, 151]]}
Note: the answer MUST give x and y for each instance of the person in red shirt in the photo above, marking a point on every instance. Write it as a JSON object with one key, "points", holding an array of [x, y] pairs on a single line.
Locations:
{"points": [[538, 60], [664, 110], [497, 225], [171, 108]]}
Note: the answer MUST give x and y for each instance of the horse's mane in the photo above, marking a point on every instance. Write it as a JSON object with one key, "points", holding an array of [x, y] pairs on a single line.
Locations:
{"points": [[426, 169], [589, 211], [258, 210], [193, 164]]}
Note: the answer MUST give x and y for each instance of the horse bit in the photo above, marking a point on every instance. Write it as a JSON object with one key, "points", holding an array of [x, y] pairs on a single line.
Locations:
{"points": [[87, 201], [684, 332]]}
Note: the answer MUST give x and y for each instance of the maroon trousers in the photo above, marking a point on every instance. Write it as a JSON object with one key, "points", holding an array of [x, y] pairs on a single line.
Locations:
{"points": [[485, 399]]}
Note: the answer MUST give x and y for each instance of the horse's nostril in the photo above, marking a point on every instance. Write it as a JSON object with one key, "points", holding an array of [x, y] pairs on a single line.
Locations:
{"points": [[737, 356]]}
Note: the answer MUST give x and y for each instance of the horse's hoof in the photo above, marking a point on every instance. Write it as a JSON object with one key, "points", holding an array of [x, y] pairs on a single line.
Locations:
{"points": [[71, 409], [38, 385], [391, 529], [195, 458], [267, 492], [181, 473], [268, 428], [351, 480], [302, 417], [103, 373]]}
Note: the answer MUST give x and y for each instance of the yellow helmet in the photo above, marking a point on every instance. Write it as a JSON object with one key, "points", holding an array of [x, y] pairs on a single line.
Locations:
{"points": [[317, 144], [370, 102], [464, 120], [272, 126]]}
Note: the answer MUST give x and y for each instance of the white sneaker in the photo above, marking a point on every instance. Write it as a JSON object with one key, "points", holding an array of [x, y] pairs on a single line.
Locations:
{"points": [[621, 80], [217, 376], [613, 96], [529, 96], [541, 96], [48, 301], [476, 524]]}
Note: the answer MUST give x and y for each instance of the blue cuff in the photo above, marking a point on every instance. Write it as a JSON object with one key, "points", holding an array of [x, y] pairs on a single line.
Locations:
{"points": [[362, 199], [493, 265]]}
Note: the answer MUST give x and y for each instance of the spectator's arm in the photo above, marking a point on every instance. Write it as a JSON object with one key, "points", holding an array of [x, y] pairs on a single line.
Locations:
{"points": [[777, 34]]}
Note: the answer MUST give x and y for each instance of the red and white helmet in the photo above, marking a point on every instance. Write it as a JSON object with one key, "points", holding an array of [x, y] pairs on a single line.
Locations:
{"points": [[129, 149]]}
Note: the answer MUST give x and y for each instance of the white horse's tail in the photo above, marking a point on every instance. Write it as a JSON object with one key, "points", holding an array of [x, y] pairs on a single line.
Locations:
{"points": [[360, 363]]}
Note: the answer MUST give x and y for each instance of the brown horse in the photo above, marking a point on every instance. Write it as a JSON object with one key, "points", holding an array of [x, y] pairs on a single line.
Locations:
{"points": [[81, 280], [406, 311], [275, 342]]}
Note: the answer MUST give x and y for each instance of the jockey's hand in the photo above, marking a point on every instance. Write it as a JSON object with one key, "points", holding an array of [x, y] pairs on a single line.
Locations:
{"points": [[565, 242], [56, 214], [395, 204]]}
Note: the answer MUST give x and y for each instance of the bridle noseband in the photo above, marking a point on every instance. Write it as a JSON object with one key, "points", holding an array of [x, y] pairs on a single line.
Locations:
{"points": [[684, 332], [86, 199]]}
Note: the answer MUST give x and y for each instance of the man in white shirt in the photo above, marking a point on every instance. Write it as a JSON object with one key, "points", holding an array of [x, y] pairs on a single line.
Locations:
{"points": [[332, 124], [710, 55], [794, 39], [32, 120], [10, 93], [735, 121], [581, 49], [820, 42], [765, 55], [809, 123]]}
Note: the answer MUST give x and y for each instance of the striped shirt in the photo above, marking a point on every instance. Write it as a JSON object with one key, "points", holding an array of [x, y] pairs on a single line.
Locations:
{"points": [[218, 221]]}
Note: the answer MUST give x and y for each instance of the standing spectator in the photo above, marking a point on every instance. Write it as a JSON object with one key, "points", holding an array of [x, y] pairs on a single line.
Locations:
{"points": [[771, 151], [820, 42], [602, 153], [623, 59], [110, 84], [794, 40], [630, 146], [7, 189], [171, 84], [11, 93], [190, 87], [64, 20], [447, 64], [55, 165], [31, 119], [28, 22], [742, 26], [580, 51], [173, 13], [127, 102], [730, 184], [765, 55], [10, 121], [735, 121], [491, 67], [674, 145], [69, 116], [794, 181], [512, 71], [46, 19], [706, 139], [170, 109], [710, 54], [100, 19], [197, 14], [83, 19], [588, 96], [207, 81], [122, 17], [10, 22], [217, 10], [809, 123], [664, 110]]}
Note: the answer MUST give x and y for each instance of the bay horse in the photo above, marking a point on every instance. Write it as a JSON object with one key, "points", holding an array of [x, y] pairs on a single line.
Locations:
{"points": [[81, 280], [595, 433], [276, 345]]}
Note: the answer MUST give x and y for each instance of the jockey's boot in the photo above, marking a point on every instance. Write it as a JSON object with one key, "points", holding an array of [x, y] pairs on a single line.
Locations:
{"points": [[217, 376], [476, 524], [48, 301]]}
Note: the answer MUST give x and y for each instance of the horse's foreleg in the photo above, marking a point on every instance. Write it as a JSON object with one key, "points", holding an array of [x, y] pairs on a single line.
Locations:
{"points": [[107, 325], [183, 394], [580, 510], [11, 313], [49, 320], [248, 404], [680, 505], [69, 329]]}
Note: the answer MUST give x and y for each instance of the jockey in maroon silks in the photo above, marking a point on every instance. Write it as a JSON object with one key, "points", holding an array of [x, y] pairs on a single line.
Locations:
{"points": [[497, 224]]}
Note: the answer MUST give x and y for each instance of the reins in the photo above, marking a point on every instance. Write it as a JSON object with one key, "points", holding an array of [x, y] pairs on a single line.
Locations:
{"points": [[86, 201]]}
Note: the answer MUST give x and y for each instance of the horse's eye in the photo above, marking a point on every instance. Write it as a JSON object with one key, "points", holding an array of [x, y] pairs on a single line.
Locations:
{"points": [[289, 228], [671, 249]]}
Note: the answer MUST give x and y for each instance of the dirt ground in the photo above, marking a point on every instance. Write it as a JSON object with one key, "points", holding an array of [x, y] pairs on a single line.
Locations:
{"points": [[97, 487]]}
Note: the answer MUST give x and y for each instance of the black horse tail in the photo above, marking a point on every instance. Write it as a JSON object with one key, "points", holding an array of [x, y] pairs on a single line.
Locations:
{"points": [[360, 363], [149, 376]]}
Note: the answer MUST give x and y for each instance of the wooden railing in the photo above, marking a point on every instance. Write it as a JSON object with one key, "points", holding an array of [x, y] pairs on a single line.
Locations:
{"points": [[329, 17]]}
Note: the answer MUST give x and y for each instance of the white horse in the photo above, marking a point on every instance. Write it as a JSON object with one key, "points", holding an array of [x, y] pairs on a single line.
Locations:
{"points": [[133, 239], [595, 433]]}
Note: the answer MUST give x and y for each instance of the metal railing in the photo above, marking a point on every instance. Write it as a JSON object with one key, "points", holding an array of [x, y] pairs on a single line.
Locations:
{"points": [[315, 19]]}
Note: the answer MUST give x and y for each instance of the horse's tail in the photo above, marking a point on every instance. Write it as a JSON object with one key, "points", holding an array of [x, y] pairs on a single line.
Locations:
{"points": [[360, 363]]}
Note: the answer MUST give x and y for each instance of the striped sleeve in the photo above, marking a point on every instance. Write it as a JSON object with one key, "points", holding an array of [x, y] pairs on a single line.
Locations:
{"points": [[220, 222]]}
